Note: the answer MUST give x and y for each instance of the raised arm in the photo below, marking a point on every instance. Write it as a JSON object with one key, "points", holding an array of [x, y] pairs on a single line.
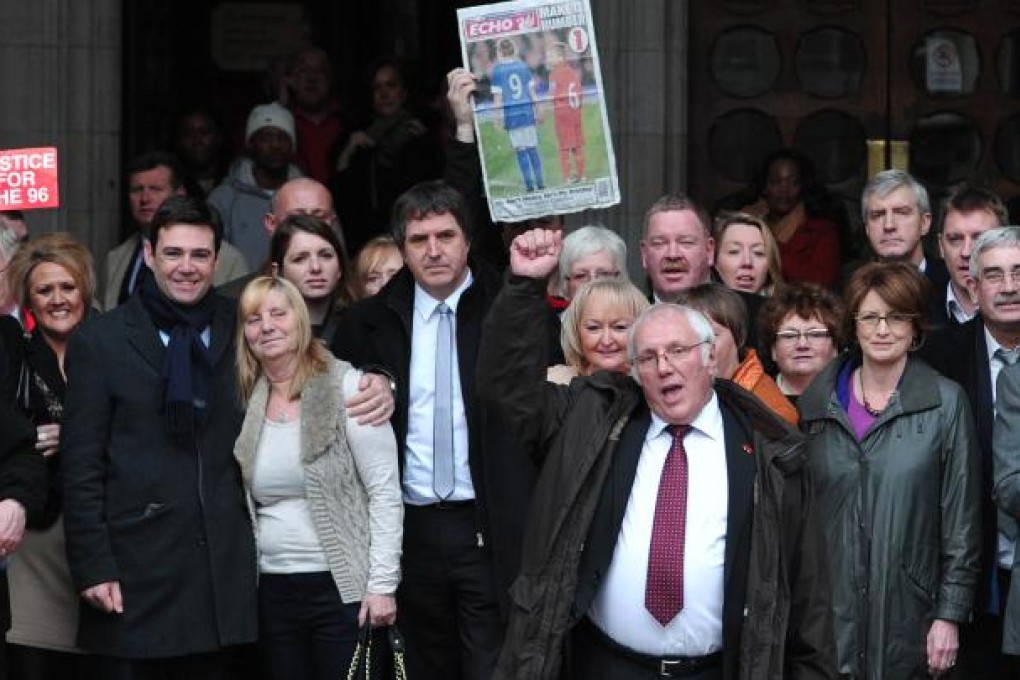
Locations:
{"points": [[461, 84], [512, 359], [463, 166]]}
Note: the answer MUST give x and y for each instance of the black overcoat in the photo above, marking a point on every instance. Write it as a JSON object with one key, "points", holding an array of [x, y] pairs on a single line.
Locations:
{"points": [[165, 519]]}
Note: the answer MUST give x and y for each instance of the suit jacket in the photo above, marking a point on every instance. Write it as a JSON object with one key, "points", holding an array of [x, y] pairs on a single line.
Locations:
{"points": [[938, 276], [612, 505], [960, 353], [164, 518], [376, 333], [229, 266], [1006, 446]]}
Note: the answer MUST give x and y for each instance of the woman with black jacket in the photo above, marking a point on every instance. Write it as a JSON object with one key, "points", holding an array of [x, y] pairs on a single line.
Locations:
{"points": [[52, 278]]}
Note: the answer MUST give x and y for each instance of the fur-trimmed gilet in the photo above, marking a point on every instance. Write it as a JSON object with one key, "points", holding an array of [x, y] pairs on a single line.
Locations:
{"points": [[336, 494]]}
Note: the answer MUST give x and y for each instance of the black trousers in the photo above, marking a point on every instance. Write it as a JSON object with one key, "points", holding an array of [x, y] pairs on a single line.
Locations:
{"points": [[446, 603], [32, 663], [981, 654], [591, 659], [210, 666], [306, 629]]}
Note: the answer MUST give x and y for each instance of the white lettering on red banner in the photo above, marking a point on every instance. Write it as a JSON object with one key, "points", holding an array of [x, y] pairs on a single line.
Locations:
{"points": [[28, 179]]}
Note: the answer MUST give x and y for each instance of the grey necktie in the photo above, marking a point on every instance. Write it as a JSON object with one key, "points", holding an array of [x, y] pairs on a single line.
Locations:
{"points": [[442, 409], [1008, 357]]}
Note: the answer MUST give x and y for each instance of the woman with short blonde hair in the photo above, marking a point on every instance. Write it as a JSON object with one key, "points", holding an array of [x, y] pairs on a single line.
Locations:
{"points": [[594, 328]]}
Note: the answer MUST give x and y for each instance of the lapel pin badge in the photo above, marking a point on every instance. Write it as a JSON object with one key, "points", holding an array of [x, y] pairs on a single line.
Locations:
{"points": [[748, 449]]}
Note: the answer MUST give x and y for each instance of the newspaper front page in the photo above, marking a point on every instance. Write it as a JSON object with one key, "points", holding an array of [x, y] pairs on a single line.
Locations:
{"points": [[540, 110]]}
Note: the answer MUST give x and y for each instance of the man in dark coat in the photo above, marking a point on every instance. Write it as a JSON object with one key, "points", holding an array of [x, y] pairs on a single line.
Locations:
{"points": [[22, 477], [461, 538], [603, 589], [159, 541], [1006, 447], [973, 354], [967, 212]]}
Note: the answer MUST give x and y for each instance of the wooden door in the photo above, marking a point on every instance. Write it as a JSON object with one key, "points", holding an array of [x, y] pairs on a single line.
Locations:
{"points": [[830, 76]]}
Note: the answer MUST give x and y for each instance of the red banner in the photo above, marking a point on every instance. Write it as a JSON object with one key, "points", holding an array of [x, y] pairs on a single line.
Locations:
{"points": [[28, 179]]}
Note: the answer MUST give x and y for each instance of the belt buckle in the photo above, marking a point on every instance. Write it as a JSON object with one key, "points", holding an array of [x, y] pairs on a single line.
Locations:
{"points": [[668, 666]]}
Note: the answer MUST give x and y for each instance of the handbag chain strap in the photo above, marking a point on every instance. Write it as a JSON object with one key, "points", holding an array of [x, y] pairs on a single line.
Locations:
{"points": [[363, 656], [363, 652], [399, 670]]}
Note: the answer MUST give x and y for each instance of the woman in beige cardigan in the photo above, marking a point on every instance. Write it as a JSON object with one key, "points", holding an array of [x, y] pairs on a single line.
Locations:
{"points": [[323, 490]]}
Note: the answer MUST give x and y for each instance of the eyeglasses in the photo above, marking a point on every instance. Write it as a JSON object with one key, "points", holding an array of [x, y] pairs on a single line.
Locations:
{"points": [[588, 276], [894, 320], [997, 277], [674, 354], [810, 335]]}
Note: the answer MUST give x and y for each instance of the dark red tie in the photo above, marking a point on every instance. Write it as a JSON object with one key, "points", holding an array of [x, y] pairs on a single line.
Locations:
{"points": [[664, 587]]}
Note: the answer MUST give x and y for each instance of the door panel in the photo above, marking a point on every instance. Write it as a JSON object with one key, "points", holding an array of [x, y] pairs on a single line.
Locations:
{"points": [[828, 75]]}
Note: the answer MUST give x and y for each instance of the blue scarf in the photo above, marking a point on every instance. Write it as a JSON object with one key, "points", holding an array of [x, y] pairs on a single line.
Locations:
{"points": [[188, 369]]}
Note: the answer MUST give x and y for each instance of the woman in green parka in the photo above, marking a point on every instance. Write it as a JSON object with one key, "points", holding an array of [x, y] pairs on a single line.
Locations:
{"points": [[893, 452]]}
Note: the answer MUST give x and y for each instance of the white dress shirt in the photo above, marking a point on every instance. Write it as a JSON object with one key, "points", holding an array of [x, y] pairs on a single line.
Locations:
{"points": [[619, 605], [954, 309], [206, 336], [417, 479]]}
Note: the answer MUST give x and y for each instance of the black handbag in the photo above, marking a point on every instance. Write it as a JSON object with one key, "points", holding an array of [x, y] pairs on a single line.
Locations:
{"points": [[361, 662]]}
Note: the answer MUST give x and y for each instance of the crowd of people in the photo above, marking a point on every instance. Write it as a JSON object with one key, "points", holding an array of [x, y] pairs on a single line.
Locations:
{"points": [[268, 427]]}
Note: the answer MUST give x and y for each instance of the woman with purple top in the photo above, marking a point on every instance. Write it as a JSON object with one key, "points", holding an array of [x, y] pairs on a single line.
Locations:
{"points": [[896, 467]]}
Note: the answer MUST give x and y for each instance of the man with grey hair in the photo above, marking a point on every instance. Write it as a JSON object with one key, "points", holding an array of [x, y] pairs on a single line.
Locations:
{"points": [[1006, 453], [973, 354], [897, 214], [590, 253], [662, 510]]}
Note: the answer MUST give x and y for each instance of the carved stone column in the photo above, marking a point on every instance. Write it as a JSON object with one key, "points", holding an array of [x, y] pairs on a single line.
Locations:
{"points": [[643, 50], [60, 73]]}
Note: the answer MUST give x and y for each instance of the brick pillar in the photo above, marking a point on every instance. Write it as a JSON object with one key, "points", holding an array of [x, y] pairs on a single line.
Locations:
{"points": [[643, 50]]}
